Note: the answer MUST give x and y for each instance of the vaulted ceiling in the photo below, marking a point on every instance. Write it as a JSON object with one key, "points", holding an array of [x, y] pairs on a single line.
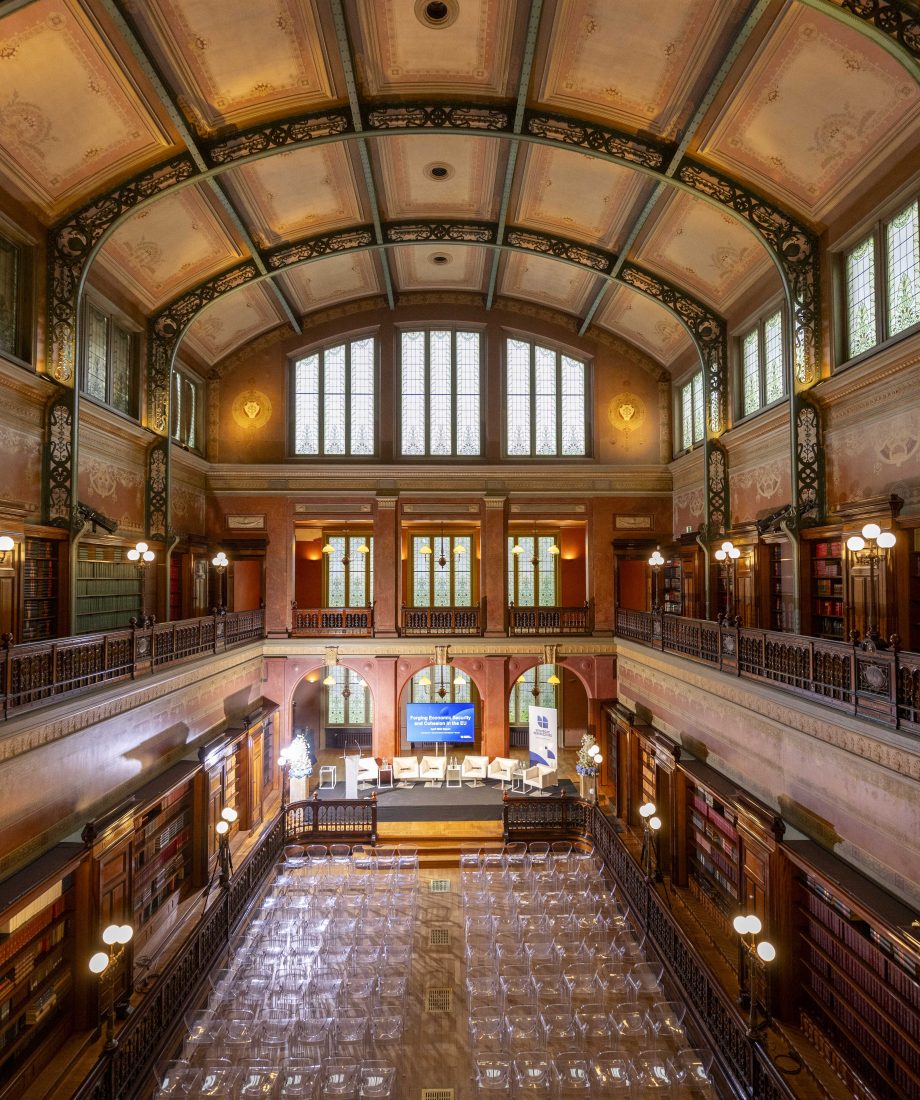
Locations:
{"points": [[279, 103]]}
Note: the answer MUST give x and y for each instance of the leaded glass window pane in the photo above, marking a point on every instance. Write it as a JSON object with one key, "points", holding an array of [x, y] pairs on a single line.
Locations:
{"points": [[335, 572], [518, 398], [546, 567], [697, 407], [413, 393], [462, 569], [774, 376], [525, 572], [121, 370], [335, 700], [750, 372], [467, 389], [97, 330], [440, 419], [903, 240], [306, 406], [362, 397], [334, 401], [545, 401], [421, 571], [573, 406], [860, 293], [686, 416], [9, 296], [441, 573]]}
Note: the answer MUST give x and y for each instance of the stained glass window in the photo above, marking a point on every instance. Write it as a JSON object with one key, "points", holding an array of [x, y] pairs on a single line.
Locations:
{"points": [[762, 376], [109, 373], [443, 578], [690, 404], [441, 688], [334, 400], [186, 408], [349, 570], [97, 340], [774, 375], [750, 372], [545, 402], [903, 247], [10, 274], [860, 291], [348, 701], [532, 577], [523, 696], [440, 401]]}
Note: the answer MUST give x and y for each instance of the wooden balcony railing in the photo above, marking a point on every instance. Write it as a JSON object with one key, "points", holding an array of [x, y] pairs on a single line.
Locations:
{"points": [[39, 673], [317, 622], [441, 620], [550, 620], [332, 819], [880, 684]]}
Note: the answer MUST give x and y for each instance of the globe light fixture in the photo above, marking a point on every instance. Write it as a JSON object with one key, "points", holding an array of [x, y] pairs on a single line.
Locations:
{"points": [[869, 548], [752, 957], [116, 937]]}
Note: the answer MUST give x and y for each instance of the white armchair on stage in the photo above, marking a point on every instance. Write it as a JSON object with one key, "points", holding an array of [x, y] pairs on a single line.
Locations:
{"points": [[368, 772], [474, 769], [502, 767], [405, 769], [433, 769], [540, 776]]}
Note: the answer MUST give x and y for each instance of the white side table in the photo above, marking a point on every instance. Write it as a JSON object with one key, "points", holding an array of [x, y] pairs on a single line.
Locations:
{"points": [[454, 775], [517, 781], [328, 774]]}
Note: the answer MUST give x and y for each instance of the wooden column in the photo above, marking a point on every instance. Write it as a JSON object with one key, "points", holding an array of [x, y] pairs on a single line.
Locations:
{"points": [[386, 567], [495, 734], [600, 566], [493, 565], [386, 709]]}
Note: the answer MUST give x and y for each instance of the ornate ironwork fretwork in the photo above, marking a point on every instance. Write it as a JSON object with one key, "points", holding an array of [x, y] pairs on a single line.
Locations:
{"points": [[165, 331], [596, 138], [158, 466], [70, 247], [278, 135], [438, 116], [458, 232], [60, 458], [898, 20], [547, 245], [718, 517], [809, 461], [314, 247]]}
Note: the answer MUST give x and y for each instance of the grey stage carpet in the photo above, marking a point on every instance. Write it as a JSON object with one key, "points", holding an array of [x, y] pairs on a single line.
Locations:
{"points": [[421, 803]]}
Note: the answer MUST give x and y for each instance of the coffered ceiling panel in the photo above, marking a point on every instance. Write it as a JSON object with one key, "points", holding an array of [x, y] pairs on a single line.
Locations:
{"points": [[549, 282], [402, 49], [574, 195], [818, 109], [454, 267], [71, 118], [233, 62], [635, 64], [337, 279], [231, 321], [296, 193], [643, 322], [169, 246], [438, 177], [701, 248]]}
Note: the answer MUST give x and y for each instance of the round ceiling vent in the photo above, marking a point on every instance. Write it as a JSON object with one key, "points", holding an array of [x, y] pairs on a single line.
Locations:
{"points": [[439, 259], [438, 172], [436, 13]]}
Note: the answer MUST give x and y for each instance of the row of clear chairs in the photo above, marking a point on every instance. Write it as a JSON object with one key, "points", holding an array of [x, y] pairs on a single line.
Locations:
{"points": [[361, 857], [572, 1074], [342, 1078]]}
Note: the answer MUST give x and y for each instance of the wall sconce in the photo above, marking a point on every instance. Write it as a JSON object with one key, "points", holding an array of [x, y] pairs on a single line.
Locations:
{"points": [[224, 861], [727, 556], [752, 960], [656, 561], [116, 937], [142, 556], [868, 548], [6, 548]]}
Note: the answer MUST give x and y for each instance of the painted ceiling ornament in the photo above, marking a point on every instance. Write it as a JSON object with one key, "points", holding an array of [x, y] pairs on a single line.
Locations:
{"points": [[626, 412], [252, 408]]}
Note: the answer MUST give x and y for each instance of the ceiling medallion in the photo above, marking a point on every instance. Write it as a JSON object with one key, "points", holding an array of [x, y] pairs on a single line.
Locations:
{"points": [[252, 409], [438, 171], [437, 13]]}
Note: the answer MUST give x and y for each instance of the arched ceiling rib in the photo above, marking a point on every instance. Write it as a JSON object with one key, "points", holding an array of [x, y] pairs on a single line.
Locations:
{"points": [[801, 105]]}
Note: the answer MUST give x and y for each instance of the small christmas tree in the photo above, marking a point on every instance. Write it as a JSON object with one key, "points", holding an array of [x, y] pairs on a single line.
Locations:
{"points": [[584, 762]]}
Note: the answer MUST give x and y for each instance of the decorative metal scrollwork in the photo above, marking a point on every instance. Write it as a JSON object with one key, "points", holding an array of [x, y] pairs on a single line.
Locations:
{"points": [[717, 485], [438, 116], [71, 244], [278, 135], [898, 20], [809, 453], [327, 245], [58, 479], [158, 489], [460, 232], [575, 253], [597, 138]]}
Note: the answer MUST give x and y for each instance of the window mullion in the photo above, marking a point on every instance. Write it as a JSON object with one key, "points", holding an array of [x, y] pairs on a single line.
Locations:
{"points": [[321, 404], [559, 413], [348, 397], [533, 400], [880, 251], [426, 405], [453, 391]]}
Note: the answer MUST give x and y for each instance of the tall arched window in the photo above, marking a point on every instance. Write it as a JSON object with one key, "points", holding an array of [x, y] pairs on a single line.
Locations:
{"points": [[545, 403], [347, 701], [439, 684], [532, 689], [334, 400], [440, 402]]}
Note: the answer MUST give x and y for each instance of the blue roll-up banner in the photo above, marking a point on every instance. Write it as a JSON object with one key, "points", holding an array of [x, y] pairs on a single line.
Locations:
{"points": [[542, 735]]}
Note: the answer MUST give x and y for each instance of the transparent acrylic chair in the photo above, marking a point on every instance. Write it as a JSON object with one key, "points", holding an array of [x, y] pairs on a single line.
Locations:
{"points": [[377, 1079], [176, 1078], [339, 1079], [631, 1027], [218, 1082], [523, 1030], [665, 1023], [310, 1040], [560, 1032], [492, 1073], [594, 1023], [299, 1081], [691, 1068], [653, 1075], [573, 1075], [258, 1081], [645, 980], [612, 1074], [533, 1074], [486, 1024]]}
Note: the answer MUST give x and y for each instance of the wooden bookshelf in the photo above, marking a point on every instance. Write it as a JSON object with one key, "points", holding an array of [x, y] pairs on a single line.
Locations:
{"points": [[860, 970], [672, 596], [780, 582], [827, 588], [36, 963], [913, 603], [41, 578], [108, 589], [713, 849]]}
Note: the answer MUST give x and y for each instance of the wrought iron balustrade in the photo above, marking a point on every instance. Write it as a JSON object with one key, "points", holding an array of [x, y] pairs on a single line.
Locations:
{"points": [[549, 620], [332, 819], [40, 673], [417, 621], [879, 684], [319, 622]]}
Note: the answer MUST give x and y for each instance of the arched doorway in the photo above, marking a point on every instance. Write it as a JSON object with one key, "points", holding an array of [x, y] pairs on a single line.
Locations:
{"points": [[440, 684], [551, 686], [334, 708]]}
